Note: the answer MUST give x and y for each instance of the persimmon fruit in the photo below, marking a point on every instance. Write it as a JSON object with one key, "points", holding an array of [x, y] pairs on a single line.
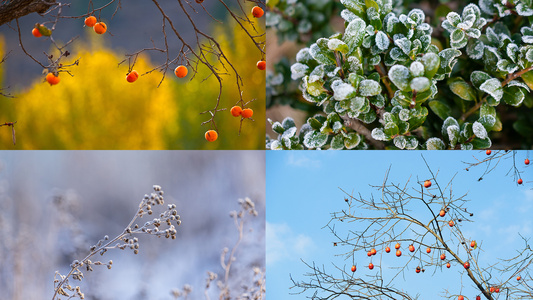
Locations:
{"points": [[261, 65], [387, 249], [100, 27], [90, 21], [236, 111], [354, 268], [211, 135], [488, 152], [36, 33], [52, 79], [257, 12], [247, 113], [132, 76], [427, 184], [181, 71]]}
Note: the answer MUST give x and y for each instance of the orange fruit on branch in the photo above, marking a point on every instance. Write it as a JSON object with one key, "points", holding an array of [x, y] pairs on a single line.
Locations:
{"points": [[247, 113], [257, 12], [90, 21], [100, 27], [36, 32], [398, 253], [52, 79], [519, 181], [132, 76], [211, 135], [427, 184], [181, 71], [236, 111], [261, 65], [354, 268], [488, 152]]}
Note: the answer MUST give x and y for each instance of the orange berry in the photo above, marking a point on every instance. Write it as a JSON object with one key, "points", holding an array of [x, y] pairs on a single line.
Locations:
{"points": [[211, 135], [354, 268], [442, 213], [257, 12], [181, 71], [236, 111], [90, 21], [518, 278], [247, 113], [100, 27], [488, 152], [448, 265], [387, 249], [526, 161], [36, 32], [132, 76], [427, 183], [52, 79], [428, 250], [397, 246], [398, 253], [373, 251], [519, 181], [261, 65], [442, 256]]}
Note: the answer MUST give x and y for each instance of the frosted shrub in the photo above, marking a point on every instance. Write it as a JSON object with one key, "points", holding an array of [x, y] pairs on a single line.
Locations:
{"points": [[392, 80]]}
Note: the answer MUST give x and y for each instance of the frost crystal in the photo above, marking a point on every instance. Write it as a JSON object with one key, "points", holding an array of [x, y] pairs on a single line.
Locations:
{"points": [[342, 90], [298, 70], [369, 88], [378, 134]]}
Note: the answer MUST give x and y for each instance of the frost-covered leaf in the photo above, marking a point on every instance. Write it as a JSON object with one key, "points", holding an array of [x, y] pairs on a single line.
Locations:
{"points": [[315, 139], [457, 35], [356, 7], [320, 55], [369, 88], [420, 84], [278, 128], [473, 33], [417, 69], [478, 78], [379, 135], [435, 143], [304, 56], [453, 18], [513, 95], [523, 10], [487, 121], [450, 121], [399, 75], [506, 66], [461, 88], [404, 44], [493, 87], [276, 145], [382, 41], [298, 70], [475, 48], [391, 129], [412, 143], [289, 133], [431, 62], [337, 143], [337, 45], [479, 130], [342, 90], [354, 33], [400, 142], [453, 133], [352, 140]]}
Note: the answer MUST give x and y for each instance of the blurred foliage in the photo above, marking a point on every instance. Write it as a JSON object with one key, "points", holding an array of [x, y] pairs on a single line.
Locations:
{"points": [[391, 80], [97, 108]]}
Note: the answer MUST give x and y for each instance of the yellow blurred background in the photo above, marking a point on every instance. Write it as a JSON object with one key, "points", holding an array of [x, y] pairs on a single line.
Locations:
{"points": [[97, 108]]}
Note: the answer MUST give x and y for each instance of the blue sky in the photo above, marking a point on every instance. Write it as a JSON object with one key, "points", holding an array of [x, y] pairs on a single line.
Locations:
{"points": [[303, 188]]}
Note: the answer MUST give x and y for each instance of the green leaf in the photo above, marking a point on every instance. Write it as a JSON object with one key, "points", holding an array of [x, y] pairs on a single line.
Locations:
{"points": [[513, 95], [441, 109], [420, 84], [371, 3], [391, 129], [352, 140], [337, 143], [492, 87], [478, 78], [278, 128], [478, 143], [314, 139], [431, 62], [354, 6], [528, 79], [323, 57], [314, 123], [462, 89], [338, 45]]}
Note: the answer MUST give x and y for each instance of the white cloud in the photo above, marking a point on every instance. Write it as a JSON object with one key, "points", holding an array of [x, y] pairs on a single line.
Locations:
{"points": [[283, 243], [302, 160]]}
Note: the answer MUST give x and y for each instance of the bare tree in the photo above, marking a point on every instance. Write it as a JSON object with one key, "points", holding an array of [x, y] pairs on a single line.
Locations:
{"points": [[425, 219]]}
